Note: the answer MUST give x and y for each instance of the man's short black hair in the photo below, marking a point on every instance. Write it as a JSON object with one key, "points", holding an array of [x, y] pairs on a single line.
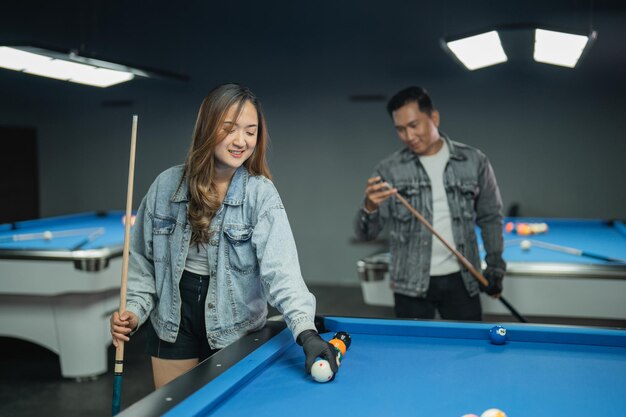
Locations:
{"points": [[411, 94]]}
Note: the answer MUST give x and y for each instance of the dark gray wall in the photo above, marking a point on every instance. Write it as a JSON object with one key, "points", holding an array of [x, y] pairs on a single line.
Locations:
{"points": [[554, 135]]}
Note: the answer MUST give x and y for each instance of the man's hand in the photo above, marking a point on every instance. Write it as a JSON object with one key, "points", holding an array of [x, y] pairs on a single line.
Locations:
{"points": [[122, 325], [314, 346], [494, 277], [376, 192]]}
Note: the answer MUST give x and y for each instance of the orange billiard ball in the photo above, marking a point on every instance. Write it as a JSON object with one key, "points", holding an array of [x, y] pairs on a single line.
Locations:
{"points": [[523, 229], [339, 345]]}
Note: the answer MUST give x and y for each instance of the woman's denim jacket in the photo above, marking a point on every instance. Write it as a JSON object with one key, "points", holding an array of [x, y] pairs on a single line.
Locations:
{"points": [[473, 198], [252, 254]]}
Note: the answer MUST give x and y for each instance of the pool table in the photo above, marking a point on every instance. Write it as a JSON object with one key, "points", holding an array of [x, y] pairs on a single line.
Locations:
{"points": [[541, 281], [59, 282], [408, 368], [547, 282]]}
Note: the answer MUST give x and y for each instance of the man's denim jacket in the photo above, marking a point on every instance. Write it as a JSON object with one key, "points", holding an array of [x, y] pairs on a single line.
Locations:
{"points": [[252, 254], [474, 199]]}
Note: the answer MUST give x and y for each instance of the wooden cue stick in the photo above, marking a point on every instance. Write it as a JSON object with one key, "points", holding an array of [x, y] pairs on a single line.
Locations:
{"points": [[119, 351], [479, 277], [475, 273], [573, 251]]}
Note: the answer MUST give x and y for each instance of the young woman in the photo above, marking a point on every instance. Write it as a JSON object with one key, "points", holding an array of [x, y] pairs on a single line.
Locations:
{"points": [[211, 245]]}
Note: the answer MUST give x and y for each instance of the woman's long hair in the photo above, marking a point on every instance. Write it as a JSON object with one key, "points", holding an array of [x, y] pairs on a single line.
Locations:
{"points": [[200, 163]]}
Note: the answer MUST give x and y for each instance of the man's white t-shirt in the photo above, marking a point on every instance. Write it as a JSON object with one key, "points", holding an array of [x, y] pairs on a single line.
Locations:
{"points": [[442, 262]]}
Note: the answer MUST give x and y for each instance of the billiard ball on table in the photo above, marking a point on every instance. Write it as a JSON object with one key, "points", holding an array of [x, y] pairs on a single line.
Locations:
{"points": [[132, 220], [523, 229], [493, 412], [344, 337], [321, 371], [497, 335], [339, 356], [339, 345]]}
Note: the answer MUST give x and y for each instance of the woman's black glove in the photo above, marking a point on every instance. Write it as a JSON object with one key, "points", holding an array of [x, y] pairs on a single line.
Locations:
{"points": [[314, 346]]}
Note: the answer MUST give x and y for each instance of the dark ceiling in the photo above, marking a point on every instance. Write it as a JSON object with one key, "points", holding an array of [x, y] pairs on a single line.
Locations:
{"points": [[358, 43]]}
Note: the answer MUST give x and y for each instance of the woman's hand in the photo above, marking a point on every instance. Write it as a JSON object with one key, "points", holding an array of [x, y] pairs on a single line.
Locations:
{"points": [[122, 325]]}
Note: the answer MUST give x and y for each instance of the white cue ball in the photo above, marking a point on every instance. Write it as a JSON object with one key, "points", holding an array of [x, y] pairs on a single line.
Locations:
{"points": [[525, 244], [47, 235], [321, 372]]}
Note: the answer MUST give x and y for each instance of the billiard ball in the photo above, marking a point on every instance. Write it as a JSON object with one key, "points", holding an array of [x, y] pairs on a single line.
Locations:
{"points": [[509, 227], [321, 372], [132, 220], [523, 229], [47, 235], [469, 415], [493, 412], [339, 356], [339, 345], [344, 337], [497, 335], [525, 244], [537, 228]]}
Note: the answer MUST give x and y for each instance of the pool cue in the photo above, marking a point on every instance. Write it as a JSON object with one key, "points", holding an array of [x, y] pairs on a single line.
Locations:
{"points": [[574, 251], [96, 233], [507, 242], [42, 235], [475, 273], [119, 351]]}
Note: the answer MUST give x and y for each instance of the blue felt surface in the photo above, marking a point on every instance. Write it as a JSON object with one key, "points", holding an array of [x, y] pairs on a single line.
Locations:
{"points": [[112, 223], [408, 375], [595, 236]]}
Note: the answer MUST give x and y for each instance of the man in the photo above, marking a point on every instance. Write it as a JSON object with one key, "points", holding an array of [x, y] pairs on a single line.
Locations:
{"points": [[454, 187]]}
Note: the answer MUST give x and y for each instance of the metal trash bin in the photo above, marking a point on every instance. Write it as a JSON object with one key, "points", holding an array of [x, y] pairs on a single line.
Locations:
{"points": [[373, 273]]}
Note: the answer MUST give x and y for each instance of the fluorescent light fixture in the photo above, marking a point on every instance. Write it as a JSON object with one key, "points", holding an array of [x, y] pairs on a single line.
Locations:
{"points": [[559, 48], [478, 51], [47, 66], [71, 67]]}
